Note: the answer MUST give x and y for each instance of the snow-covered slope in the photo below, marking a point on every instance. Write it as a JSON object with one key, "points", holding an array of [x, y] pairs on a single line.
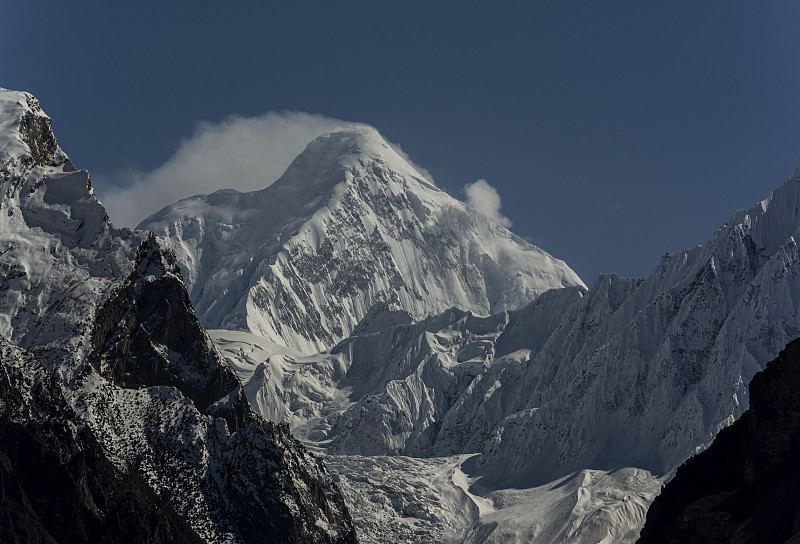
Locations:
{"points": [[629, 373], [105, 313], [421, 500], [350, 225], [368, 398], [643, 373]]}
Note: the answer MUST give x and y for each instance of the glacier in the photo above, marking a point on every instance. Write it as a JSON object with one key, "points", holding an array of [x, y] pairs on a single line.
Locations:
{"points": [[399, 332]]}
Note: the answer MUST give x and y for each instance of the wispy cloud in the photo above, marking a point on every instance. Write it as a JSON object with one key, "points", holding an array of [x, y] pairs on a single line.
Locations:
{"points": [[243, 153], [484, 198], [399, 150]]}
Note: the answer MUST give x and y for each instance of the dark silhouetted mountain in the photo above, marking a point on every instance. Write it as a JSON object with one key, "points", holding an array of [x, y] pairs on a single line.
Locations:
{"points": [[56, 484], [745, 488]]}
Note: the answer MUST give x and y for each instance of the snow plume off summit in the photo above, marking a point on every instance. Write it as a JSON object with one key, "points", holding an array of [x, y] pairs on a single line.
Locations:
{"points": [[350, 225]]}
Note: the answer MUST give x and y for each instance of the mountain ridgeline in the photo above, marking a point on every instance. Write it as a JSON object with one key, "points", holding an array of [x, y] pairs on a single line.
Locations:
{"points": [[441, 335], [351, 224], [631, 372], [356, 302], [121, 421]]}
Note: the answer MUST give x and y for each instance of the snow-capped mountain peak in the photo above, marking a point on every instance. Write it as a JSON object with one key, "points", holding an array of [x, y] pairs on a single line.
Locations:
{"points": [[629, 373], [352, 223], [343, 148], [772, 221]]}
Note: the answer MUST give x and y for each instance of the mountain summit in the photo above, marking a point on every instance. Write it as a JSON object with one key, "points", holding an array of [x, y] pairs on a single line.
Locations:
{"points": [[351, 224], [609, 388]]}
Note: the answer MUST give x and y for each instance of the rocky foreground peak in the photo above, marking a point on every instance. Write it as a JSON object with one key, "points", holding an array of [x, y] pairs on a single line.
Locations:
{"points": [[122, 382]]}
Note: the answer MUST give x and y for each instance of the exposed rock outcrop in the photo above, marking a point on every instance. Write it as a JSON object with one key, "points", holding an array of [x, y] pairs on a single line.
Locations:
{"points": [[153, 421], [745, 488], [56, 484]]}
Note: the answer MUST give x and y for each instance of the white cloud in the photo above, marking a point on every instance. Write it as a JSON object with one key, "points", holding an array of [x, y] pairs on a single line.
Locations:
{"points": [[485, 199], [238, 153]]}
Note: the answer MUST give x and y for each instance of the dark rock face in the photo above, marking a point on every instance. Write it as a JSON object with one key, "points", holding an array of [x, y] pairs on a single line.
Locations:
{"points": [[745, 488], [57, 485], [36, 132], [255, 507], [119, 420], [267, 486], [147, 315]]}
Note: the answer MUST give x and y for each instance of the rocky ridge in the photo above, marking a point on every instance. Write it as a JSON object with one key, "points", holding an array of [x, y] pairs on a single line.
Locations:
{"points": [[58, 485], [137, 373]]}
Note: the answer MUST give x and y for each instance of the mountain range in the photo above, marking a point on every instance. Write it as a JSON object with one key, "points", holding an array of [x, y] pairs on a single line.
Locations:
{"points": [[461, 384], [538, 381]]}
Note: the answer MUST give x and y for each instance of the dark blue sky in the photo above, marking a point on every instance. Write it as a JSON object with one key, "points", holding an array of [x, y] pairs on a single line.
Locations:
{"points": [[613, 131]]}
